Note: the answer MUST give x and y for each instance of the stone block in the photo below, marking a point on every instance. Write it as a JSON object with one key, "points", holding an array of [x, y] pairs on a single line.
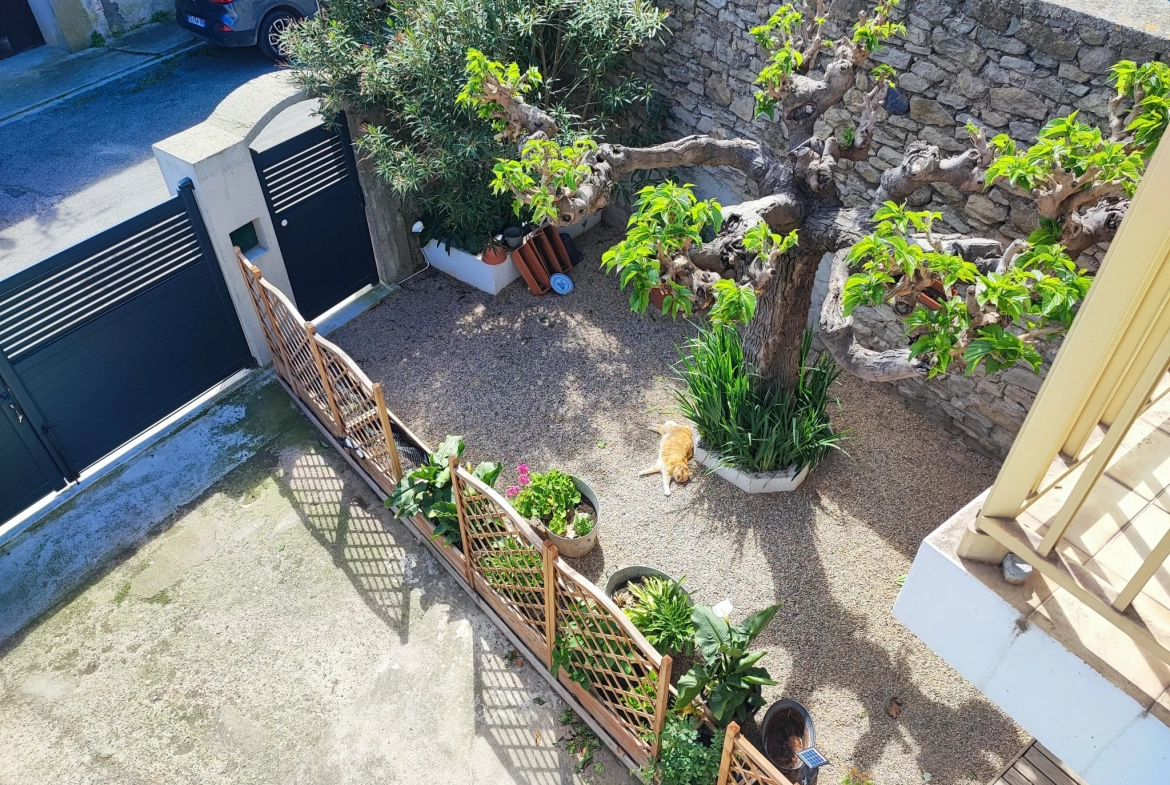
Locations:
{"points": [[1072, 73], [1016, 101], [989, 40], [744, 107], [912, 82], [1017, 64], [970, 85], [1092, 36], [994, 15], [1047, 39], [963, 51], [1023, 377], [930, 112], [717, 90], [897, 58], [1096, 59], [942, 138], [928, 71]]}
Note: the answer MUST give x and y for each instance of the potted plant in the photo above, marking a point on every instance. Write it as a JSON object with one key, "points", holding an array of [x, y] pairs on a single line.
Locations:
{"points": [[786, 730], [513, 236], [494, 252], [660, 608], [686, 755], [427, 491], [728, 678], [560, 505]]}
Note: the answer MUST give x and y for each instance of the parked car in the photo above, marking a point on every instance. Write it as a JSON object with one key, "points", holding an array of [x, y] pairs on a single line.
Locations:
{"points": [[243, 22]]}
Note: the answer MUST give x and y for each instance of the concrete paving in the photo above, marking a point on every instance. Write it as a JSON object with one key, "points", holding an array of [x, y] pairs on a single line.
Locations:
{"points": [[85, 164], [280, 629]]}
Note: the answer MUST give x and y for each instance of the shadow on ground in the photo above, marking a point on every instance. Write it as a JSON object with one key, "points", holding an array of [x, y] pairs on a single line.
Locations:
{"points": [[573, 381]]}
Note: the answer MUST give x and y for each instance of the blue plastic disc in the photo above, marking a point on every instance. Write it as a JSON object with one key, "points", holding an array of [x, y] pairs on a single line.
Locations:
{"points": [[561, 283]]}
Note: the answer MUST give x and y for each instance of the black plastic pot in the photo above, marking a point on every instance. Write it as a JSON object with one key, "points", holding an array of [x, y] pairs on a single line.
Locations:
{"points": [[627, 574], [782, 717]]}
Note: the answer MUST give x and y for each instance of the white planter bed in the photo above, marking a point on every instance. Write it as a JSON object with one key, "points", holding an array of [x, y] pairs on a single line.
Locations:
{"points": [[780, 481], [459, 264]]}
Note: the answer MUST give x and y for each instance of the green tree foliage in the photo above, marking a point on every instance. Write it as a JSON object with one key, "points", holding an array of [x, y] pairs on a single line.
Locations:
{"points": [[669, 220], [990, 319], [401, 66]]}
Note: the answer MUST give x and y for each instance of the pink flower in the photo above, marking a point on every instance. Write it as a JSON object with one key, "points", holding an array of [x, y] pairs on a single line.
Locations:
{"points": [[523, 469], [523, 479], [512, 492]]}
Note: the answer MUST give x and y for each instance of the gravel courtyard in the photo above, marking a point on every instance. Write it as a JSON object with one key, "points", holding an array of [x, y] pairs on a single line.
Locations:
{"points": [[572, 382]]}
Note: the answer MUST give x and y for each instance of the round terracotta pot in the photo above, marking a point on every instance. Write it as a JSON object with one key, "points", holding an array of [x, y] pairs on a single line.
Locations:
{"points": [[658, 297], [494, 255], [576, 547]]}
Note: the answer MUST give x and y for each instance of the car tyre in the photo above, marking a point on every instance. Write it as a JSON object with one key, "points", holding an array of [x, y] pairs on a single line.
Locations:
{"points": [[271, 28]]}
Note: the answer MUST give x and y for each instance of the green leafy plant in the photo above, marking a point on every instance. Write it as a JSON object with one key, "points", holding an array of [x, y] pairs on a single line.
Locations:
{"points": [[997, 316], [870, 33], [1148, 86], [751, 426], [583, 523], [728, 676], [583, 742], [427, 490], [480, 70], [402, 64], [661, 610], [545, 173], [683, 759], [668, 221], [551, 497]]}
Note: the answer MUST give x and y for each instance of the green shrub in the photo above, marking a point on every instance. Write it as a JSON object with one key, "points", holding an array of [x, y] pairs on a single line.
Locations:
{"points": [[661, 610], [682, 758], [402, 65], [751, 426]]}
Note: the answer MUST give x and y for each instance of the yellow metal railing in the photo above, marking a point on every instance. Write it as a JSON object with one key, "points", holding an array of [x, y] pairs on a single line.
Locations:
{"points": [[1111, 368]]}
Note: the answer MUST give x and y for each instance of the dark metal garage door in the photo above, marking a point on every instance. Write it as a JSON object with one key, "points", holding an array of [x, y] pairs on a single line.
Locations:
{"points": [[101, 341], [18, 28], [311, 185]]}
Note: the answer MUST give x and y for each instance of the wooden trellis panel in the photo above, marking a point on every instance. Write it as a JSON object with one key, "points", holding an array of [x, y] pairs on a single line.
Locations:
{"points": [[743, 764], [621, 667], [506, 564], [357, 405]]}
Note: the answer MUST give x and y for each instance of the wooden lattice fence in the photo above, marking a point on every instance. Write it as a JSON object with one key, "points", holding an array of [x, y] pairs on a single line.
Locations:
{"points": [[558, 615]]}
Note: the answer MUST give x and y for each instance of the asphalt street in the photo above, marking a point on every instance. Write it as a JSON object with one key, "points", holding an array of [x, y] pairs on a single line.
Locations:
{"points": [[74, 169]]}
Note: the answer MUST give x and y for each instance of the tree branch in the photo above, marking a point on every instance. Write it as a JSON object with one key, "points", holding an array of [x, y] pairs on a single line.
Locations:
{"points": [[923, 164], [837, 335]]}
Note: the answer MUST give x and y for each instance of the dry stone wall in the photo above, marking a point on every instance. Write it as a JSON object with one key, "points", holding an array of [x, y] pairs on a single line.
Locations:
{"points": [[1006, 65]]}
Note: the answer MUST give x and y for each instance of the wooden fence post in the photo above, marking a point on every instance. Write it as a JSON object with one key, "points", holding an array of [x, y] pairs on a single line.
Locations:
{"points": [[275, 344], [661, 698], [728, 752], [391, 446], [326, 384], [549, 551], [453, 463]]}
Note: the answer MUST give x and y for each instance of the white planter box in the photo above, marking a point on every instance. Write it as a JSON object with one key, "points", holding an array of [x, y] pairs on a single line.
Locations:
{"points": [[582, 226], [780, 481], [461, 265]]}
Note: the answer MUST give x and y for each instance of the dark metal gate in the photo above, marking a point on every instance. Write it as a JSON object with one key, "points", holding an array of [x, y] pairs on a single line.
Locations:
{"points": [[311, 185], [105, 339]]}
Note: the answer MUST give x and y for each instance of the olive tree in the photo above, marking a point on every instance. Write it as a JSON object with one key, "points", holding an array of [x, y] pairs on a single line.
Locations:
{"points": [[755, 262]]}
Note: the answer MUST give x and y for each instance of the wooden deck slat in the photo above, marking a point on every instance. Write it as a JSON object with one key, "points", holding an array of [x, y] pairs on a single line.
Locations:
{"points": [[1035, 765]]}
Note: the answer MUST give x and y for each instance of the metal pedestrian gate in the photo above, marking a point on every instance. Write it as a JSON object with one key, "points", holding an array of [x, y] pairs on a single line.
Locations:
{"points": [[310, 183], [105, 339]]}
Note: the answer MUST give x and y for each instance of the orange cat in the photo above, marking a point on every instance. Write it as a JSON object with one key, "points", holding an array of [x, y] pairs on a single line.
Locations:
{"points": [[674, 453]]}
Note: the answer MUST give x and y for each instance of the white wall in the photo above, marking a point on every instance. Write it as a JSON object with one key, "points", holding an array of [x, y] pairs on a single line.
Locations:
{"points": [[1097, 729]]}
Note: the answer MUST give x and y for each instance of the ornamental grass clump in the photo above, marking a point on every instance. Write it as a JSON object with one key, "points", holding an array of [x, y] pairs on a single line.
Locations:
{"points": [[661, 610], [751, 425]]}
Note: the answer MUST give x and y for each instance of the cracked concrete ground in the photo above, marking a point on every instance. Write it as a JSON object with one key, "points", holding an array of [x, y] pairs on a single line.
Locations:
{"points": [[280, 629]]}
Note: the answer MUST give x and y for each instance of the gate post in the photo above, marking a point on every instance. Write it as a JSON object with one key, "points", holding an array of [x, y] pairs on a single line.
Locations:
{"points": [[214, 156]]}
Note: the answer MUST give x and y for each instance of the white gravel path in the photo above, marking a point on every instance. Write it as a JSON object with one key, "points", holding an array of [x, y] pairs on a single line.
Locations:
{"points": [[571, 382]]}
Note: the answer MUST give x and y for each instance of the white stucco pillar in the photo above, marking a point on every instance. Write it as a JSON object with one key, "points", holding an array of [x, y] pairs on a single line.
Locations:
{"points": [[216, 158]]}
